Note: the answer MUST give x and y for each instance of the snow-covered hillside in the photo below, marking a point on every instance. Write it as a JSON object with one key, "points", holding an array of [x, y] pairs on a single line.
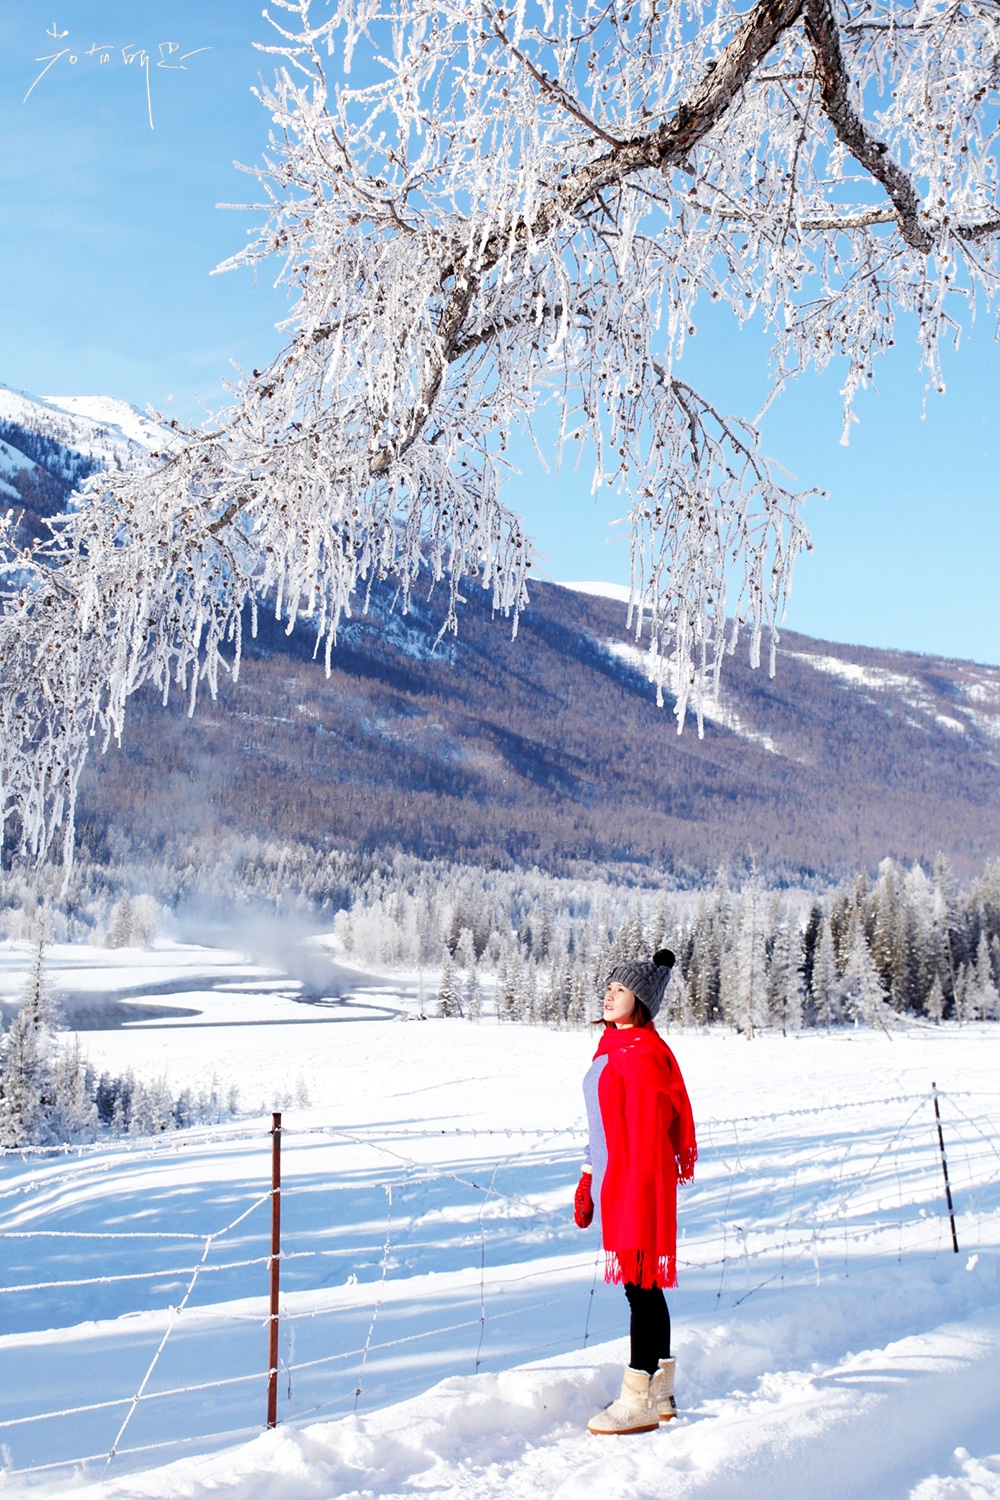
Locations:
{"points": [[957, 696], [109, 426], [829, 1341], [51, 443], [102, 428], [12, 463]]}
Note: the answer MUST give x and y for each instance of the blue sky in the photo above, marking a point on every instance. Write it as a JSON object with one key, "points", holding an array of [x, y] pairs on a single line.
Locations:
{"points": [[109, 230]]}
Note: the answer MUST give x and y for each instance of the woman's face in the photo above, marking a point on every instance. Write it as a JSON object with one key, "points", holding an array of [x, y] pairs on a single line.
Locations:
{"points": [[619, 1004]]}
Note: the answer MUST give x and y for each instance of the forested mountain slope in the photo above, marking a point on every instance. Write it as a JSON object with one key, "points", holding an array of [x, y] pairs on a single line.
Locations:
{"points": [[549, 749]]}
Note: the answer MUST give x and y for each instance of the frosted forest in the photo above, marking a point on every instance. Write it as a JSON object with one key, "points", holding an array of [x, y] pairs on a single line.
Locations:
{"points": [[910, 944]]}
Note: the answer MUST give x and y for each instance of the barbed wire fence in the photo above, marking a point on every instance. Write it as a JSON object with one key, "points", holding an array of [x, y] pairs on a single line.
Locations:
{"points": [[841, 1193]]}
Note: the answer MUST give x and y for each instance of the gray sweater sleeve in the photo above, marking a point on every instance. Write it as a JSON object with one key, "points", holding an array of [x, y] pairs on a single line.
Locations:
{"points": [[596, 1154]]}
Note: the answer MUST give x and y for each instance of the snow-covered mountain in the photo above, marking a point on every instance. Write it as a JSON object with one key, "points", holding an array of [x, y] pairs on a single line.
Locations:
{"points": [[50, 444], [106, 431]]}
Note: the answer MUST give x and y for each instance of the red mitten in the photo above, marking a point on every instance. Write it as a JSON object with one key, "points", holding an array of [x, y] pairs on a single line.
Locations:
{"points": [[583, 1201]]}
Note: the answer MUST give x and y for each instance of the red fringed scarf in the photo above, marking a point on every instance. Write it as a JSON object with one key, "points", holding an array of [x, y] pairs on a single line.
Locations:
{"points": [[651, 1143]]}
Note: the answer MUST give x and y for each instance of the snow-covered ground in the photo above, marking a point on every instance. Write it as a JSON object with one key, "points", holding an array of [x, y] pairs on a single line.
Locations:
{"points": [[443, 1329]]}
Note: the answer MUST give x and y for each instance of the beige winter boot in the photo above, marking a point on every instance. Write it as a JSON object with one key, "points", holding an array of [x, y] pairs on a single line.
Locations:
{"points": [[661, 1391], [632, 1412]]}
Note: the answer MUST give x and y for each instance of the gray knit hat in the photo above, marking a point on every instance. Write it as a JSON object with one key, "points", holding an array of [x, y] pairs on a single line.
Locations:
{"points": [[646, 978]]}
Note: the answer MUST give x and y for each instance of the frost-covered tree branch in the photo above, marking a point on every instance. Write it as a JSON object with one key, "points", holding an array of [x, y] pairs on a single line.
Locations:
{"points": [[480, 209], [873, 154]]}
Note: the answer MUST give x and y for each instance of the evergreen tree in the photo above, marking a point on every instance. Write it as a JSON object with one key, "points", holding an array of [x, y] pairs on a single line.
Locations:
{"points": [[705, 977], [987, 1000], [465, 950], [745, 995], [863, 995], [507, 989], [448, 1004], [946, 900], [454, 928], [810, 938], [120, 925], [717, 918], [930, 954], [522, 1001], [530, 1011], [784, 978], [152, 1108], [553, 1005], [36, 994], [989, 901], [630, 941], [26, 1080], [473, 996], [22, 1083], [838, 921], [121, 1118], [729, 983], [566, 972], [669, 1008], [184, 1109], [826, 992], [965, 995], [794, 988], [542, 936], [659, 929], [72, 1113], [892, 938], [493, 949], [859, 904], [576, 1016]]}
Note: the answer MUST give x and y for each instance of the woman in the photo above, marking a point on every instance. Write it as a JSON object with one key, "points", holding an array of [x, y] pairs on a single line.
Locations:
{"points": [[642, 1143]]}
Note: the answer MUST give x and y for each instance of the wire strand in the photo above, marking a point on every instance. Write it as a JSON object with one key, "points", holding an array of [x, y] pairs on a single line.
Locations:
{"points": [[174, 1315], [378, 1297]]}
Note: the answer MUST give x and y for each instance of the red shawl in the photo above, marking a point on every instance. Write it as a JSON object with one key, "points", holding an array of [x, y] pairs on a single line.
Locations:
{"points": [[650, 1137]]}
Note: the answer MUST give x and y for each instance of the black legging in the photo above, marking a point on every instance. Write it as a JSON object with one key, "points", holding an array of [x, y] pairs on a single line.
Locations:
{"points": [[649, 1326]]}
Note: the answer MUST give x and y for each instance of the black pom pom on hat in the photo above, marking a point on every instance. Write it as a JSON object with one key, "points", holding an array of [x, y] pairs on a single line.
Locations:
{"points": [[664, 959]]}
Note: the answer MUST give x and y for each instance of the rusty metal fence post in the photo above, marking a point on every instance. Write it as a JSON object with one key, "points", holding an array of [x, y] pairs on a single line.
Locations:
{"points": [[944, 1168], [274, 1264]]}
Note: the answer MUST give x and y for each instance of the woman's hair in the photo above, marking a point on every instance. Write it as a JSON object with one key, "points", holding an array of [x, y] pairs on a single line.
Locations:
{"points": [[640, 1015]]}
